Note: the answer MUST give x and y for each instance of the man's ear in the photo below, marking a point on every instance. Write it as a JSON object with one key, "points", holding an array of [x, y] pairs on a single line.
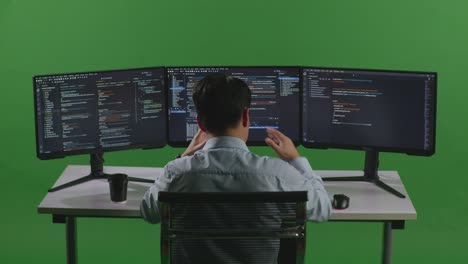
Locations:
{"points": [[200, 125], [245, 117]]}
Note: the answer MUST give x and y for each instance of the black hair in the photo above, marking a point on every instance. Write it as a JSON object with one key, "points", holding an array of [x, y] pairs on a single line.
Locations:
{"points": [[219, 100]]}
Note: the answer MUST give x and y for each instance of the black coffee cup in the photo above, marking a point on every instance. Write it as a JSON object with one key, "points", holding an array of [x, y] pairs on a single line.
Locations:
{"points": [[118, 187]]}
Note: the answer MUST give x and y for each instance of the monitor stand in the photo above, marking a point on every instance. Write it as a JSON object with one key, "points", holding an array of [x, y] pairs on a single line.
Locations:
{"points": [[370, 174], [97, 172]]}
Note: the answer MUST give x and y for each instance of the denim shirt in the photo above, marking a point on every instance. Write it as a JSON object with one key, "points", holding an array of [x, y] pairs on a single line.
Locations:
{"points": [[226, 164]]}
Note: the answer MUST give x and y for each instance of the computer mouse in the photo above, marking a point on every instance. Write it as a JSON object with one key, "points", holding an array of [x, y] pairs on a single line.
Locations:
{"points": [[340, 201]]}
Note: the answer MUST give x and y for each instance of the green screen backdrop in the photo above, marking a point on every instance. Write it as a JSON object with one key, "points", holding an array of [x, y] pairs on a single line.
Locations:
{"points": [[42, 37]]}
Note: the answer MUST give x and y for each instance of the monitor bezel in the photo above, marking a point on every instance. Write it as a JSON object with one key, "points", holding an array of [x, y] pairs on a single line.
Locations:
{"points": [[62, 154], [249, 142], [409, 151]]}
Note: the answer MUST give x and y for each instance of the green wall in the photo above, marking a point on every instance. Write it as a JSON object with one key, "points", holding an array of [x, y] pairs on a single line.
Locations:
{"points": [[40, 37]]}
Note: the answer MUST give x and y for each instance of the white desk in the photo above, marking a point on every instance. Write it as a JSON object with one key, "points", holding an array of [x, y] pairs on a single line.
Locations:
{"points": [[367, 201], [92, 199]]}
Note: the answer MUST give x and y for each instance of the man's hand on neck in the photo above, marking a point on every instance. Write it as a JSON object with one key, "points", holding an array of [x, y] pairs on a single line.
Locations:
{"points": [[197, 143]]}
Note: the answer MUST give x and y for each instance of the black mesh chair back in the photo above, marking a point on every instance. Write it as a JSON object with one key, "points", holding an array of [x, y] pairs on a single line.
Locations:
{"points": [[233, 227]]}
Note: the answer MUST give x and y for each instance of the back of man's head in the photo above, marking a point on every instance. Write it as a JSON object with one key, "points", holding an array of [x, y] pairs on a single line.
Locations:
{"points": [[220, 100]]}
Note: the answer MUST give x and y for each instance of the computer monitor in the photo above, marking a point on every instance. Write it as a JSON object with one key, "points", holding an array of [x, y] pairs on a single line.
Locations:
{"points": [[96, 112], [275, 100], [371, 110]]}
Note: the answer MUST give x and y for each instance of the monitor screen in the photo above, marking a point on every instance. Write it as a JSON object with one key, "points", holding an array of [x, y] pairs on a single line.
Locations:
{"points": [[369, 109], [80, 113], [275, 100]]}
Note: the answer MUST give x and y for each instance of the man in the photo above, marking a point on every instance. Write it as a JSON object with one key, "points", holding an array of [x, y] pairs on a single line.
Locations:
{"points": [[218, 159]]}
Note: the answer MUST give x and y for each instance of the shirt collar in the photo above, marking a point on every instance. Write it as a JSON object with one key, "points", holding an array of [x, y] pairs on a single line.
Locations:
{"points": [[225, 142]]}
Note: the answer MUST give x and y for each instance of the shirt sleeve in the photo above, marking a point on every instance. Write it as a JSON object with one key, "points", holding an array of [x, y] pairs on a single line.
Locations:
{"points": [[149, 205], [319, 204]]}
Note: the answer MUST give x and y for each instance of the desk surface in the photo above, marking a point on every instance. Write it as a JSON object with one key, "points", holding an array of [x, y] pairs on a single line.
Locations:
{"points": [[367, 201]]}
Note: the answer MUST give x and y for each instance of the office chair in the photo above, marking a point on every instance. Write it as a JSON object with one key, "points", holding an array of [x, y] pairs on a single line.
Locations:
{"points": [[233, 227]]}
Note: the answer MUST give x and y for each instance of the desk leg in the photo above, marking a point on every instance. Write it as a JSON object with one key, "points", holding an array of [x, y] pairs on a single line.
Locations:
{"points": [[71, 239], [387, 243]]}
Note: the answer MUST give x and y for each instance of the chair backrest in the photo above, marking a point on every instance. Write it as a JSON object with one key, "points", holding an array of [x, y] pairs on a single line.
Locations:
{"points": [[233, 227]]}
